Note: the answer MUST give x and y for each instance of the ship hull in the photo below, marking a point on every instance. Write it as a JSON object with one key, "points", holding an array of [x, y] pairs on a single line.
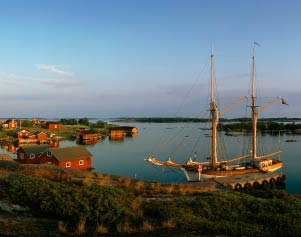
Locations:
{"points": [[193, 174]]}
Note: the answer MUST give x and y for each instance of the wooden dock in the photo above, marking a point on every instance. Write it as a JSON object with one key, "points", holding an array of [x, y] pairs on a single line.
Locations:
{"points": [[252, 180]]}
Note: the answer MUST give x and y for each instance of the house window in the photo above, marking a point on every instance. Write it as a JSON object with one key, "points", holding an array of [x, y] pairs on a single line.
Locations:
{"points": [[22, 156], [49, 163], [81, 162], [68, 164], [32, 156], [49, 153]]}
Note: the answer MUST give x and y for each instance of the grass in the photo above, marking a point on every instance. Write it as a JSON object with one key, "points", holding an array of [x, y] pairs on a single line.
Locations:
{"points": [[147, 226], [125, 228], [169, 224], [62, 227], [80, 227], [101, 229]]}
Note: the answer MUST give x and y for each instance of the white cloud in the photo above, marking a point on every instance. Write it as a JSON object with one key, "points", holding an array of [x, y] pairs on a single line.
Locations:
{"points": [[54, 69]]}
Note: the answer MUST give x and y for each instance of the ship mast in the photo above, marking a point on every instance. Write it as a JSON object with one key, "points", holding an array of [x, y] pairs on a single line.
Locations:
{"points": [[214, 114], [254, 112]]}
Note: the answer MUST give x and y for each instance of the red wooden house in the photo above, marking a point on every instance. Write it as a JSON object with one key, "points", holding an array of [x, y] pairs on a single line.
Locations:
{"points": [[52, 125], [21, 134], [83, 134], [76, 157], [130, 130], [10, 124], [35, 122], [116, 132], [30, 154], [41, 136]]}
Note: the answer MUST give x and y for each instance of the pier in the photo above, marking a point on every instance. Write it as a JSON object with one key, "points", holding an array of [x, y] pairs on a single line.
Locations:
{"points": [[252, 180]]}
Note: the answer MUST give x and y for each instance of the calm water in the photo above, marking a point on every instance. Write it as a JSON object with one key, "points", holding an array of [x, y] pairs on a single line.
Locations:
{"points": [[179, 141]]}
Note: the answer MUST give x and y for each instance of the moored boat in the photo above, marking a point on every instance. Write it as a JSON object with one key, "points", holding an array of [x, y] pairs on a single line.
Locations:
{"points": [[245, 164]]}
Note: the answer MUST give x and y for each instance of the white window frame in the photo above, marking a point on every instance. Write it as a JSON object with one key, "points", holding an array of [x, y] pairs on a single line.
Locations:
{"points": [[22, 156], [81, 162], [32, 156], [68, 164], [49, 154]]}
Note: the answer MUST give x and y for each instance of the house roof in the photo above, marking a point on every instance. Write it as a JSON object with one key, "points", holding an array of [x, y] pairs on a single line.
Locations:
{"points": [[34, 149], [36, 133], [89, 132], [70, 153], [18, 131]]}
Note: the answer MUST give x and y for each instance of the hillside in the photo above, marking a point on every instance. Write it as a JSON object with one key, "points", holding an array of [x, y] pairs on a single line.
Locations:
{"points": [[47, 200]]}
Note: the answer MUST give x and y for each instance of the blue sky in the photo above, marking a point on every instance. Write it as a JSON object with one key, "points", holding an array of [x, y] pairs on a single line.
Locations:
{"points": [[71, 58]]}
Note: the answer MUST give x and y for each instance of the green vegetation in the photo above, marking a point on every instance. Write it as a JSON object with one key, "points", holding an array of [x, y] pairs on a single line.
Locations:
{"points": [[26, 123], [70, 121], [263, 126], [71, 203], [84, 121], [98, 124], [104, 208]]}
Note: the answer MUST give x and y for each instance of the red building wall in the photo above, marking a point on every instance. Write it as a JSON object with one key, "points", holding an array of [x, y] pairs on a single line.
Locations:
{"points": [[53, 126], [23, 158], [21, 134], [41, 136], [74, 163]]}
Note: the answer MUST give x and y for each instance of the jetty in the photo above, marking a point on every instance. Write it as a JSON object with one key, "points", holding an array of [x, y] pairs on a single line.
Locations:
{"points": [[252, 180]]}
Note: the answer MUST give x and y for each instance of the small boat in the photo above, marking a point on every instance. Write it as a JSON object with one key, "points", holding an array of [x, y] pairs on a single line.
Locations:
{"points": [[245, 164], [291, 140], [233, 133]]}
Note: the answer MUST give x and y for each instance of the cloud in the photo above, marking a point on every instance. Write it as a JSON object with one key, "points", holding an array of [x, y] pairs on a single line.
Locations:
{"points": [[54, 69]]}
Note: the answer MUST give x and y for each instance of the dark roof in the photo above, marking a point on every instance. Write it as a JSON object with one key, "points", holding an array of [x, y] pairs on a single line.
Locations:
{"points": [[9, 120], [34, 149], [19, 130], [36, 133], [89, 132], [70, 153]]}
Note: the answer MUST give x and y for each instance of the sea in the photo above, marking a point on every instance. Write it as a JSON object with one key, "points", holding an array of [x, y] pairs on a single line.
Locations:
{"points": [[179, 141]]}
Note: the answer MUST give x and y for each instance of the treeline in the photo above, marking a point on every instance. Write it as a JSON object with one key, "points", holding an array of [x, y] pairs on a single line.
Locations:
{"points": [[263, 126], [200, 120], [73, 121], [260, 213], [83, 121]]}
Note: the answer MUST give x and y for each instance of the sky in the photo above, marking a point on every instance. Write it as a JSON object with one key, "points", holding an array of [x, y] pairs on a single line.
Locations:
{"points": [[145, 58]]}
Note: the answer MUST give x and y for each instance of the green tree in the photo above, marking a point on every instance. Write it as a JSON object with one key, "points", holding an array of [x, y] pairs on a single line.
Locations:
{"points": [[84, 121], [99, 124], [26, 123]]}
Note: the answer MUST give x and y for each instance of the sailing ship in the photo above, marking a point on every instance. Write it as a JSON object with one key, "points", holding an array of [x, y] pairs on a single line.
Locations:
{"points": [[245, 164]]}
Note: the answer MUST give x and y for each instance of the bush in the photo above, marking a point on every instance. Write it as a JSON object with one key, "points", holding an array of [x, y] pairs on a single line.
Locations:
{"points": [[67, 202]]}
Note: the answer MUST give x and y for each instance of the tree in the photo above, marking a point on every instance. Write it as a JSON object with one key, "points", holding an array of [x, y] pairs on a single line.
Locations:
{"points": [[84, 121], [26, 123], [99, 124]]}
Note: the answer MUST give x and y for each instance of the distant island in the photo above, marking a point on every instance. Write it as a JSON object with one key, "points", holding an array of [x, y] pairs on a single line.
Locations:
{"points": [[197, 120], [289, 125]]}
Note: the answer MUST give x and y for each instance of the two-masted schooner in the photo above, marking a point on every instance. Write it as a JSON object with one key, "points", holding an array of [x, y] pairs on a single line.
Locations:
{"points": [[248, 163]]}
